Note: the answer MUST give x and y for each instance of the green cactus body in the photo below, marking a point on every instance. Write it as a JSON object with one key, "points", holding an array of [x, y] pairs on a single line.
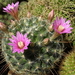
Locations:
{"points": [[5, 2], [3, 64], [39, 58], [68, 64]]}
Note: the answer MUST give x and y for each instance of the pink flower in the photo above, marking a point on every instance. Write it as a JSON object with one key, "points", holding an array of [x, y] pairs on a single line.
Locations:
{"points": [[61, 26], [12, 9], [19, 42]]}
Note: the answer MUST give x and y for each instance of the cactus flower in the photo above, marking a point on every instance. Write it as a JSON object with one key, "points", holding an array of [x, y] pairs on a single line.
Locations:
{"points": [[51, 15], [19, 42], [29, 15], [12, 9], [3, 27], [61, 26]]}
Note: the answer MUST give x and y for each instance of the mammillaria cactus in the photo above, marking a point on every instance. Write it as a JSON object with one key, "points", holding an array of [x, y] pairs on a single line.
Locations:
{"points": [[35, 48], [68, 65]]}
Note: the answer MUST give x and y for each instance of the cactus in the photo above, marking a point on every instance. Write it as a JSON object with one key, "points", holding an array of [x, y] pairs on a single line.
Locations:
{"points": [[37, 7], [68, 64], [38, 57], [38, 53]]}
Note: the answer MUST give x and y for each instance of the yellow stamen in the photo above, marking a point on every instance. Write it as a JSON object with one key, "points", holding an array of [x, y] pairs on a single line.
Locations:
{"points": [[11, 8], [20, 44], [60, 28]]}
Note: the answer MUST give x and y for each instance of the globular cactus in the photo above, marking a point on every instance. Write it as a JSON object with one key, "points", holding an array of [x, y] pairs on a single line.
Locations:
{"points": [[37, 54], [68, 64], [38, 57]]}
